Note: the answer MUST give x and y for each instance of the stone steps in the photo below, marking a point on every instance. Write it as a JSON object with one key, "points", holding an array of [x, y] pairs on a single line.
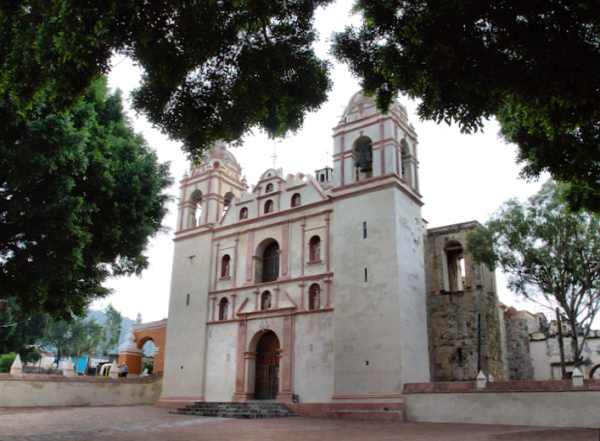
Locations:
{"points": [[251, 410]]}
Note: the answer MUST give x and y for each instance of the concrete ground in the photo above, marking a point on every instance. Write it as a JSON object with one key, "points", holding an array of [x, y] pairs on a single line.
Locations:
{"points": [[148, 423]]}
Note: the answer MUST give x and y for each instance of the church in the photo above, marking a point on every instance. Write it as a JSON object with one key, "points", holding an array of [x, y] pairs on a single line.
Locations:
{"points": [[318, 289]]}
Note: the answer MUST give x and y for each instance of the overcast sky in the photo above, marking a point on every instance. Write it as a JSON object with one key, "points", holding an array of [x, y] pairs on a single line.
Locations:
{"points": [[462, 177]]}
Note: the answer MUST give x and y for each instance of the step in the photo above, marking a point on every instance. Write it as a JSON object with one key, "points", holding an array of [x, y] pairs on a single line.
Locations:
{"points": [[252, 410]]}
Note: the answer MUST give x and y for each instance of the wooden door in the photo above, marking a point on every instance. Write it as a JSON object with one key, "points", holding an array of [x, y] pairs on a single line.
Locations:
{"points": [[267, 367]]}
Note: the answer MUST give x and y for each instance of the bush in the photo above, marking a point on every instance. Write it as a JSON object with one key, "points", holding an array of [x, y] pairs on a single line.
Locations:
{"points": [[6, 362], [148, 365]]}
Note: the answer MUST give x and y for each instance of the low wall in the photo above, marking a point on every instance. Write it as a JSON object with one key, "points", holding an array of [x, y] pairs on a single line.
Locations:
{"points": [[56, 390], [530, 403]]}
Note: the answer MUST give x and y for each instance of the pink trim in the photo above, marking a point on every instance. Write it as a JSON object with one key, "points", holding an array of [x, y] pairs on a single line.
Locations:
{"points": [[214, 302], [382, 143], [256, 299], [217, 267], [342, 147], [269, 313], [240, 363], [239, 311], [249, 253], [235, 258], [327, 292], [290, 299], [266, 285], [233, 314], [327, 240], [285, 362], [312, 311], [364, 397], [279, 197], [316, 185], [397, 163], [269, 194], [219, 197], [301, 285], [416, 169], [183, 209], [295, 187], [247, 201], [208, 197], [276, 289], [303, 226], [285, 245]]}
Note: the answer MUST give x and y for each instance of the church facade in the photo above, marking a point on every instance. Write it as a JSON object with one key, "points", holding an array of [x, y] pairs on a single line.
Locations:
{"points": [[303, 289]]}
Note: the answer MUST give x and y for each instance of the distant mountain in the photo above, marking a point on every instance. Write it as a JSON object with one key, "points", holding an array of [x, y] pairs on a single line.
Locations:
{"points": [[100, 317]]}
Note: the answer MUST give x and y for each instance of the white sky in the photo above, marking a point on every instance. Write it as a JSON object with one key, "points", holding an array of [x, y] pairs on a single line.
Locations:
{"points": [[462, 177]]}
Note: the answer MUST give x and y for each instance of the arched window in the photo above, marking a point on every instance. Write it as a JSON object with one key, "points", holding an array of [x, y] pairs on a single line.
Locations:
{"points": [[456, 266], [196, 213], [243, 213], [225, 265], [265, 301], [269, 188], [296, 200], [270, 269], [363, 155], [314, 297], [269, 206], [315, 249], [322, 178], [229, 196], [223, 307]]}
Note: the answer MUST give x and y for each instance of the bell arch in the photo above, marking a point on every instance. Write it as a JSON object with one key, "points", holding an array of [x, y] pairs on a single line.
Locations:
{"points": [[362, 151]]}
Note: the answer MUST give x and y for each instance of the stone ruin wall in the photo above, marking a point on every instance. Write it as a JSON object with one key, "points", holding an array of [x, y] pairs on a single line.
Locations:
{"points": [[520, 367]]}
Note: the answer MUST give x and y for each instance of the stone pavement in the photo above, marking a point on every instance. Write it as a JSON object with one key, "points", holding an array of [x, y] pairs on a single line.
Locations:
{"points": [[148, 423]]}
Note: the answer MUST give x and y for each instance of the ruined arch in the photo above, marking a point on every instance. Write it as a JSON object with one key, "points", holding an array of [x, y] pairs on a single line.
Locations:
{"points": [[454, 266]]}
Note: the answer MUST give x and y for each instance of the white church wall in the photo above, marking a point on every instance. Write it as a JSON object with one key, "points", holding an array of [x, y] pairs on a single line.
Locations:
{"points": [[186, 333], [221, 361], [313, 357], [411, 281], [367, 350]]}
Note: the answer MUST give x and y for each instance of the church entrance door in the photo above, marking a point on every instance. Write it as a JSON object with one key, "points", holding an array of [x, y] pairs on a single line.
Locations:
{"points": [[267, 367]]}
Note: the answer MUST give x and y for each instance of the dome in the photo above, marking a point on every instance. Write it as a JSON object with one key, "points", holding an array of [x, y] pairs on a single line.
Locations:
{"points": [[220, 149], [359, 98]]}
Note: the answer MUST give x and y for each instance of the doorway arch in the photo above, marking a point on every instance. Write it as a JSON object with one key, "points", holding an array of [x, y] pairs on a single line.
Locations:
{"points": [[267, 367]]}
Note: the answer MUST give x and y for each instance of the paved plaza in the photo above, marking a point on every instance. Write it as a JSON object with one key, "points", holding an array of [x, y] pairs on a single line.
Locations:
{"points": [[148, 423]]}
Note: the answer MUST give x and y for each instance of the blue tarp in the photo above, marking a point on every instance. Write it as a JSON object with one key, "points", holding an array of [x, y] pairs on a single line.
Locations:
{"points": [[81, 364]]}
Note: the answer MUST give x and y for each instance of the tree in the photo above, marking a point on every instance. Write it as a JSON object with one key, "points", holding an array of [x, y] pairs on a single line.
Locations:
{"points": [[80, 195], [19, 333], [533, 65], [112, 329], [549, 254], [212, 70]]}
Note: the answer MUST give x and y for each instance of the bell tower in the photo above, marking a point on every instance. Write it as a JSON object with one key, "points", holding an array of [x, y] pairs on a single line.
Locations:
{"points": [[368, 144], [208, 189]]}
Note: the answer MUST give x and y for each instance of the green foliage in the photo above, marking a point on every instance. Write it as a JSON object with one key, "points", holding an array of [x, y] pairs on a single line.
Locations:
{"points": [[6, 362], [212, 70], [112, 329], [532, 64], [148, 365], [76, 338], [80, 195], [548, 253], [18, 333]]}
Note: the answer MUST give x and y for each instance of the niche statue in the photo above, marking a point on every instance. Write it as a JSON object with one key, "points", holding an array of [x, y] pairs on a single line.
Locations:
{"points": [[365, 157]]}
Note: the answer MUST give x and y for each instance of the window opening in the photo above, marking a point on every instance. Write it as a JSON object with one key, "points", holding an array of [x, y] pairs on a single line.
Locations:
{"points": [[366, 277], [296, 200], [364, 159], [265, 301], [270, 270], [243, 213], [223, 307], [227, 201], [269, 188], [315, 249], [269, 206], [225, 265], [196, 214], [456, 267], [364, 230], [314, 297], [187, 300]]}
